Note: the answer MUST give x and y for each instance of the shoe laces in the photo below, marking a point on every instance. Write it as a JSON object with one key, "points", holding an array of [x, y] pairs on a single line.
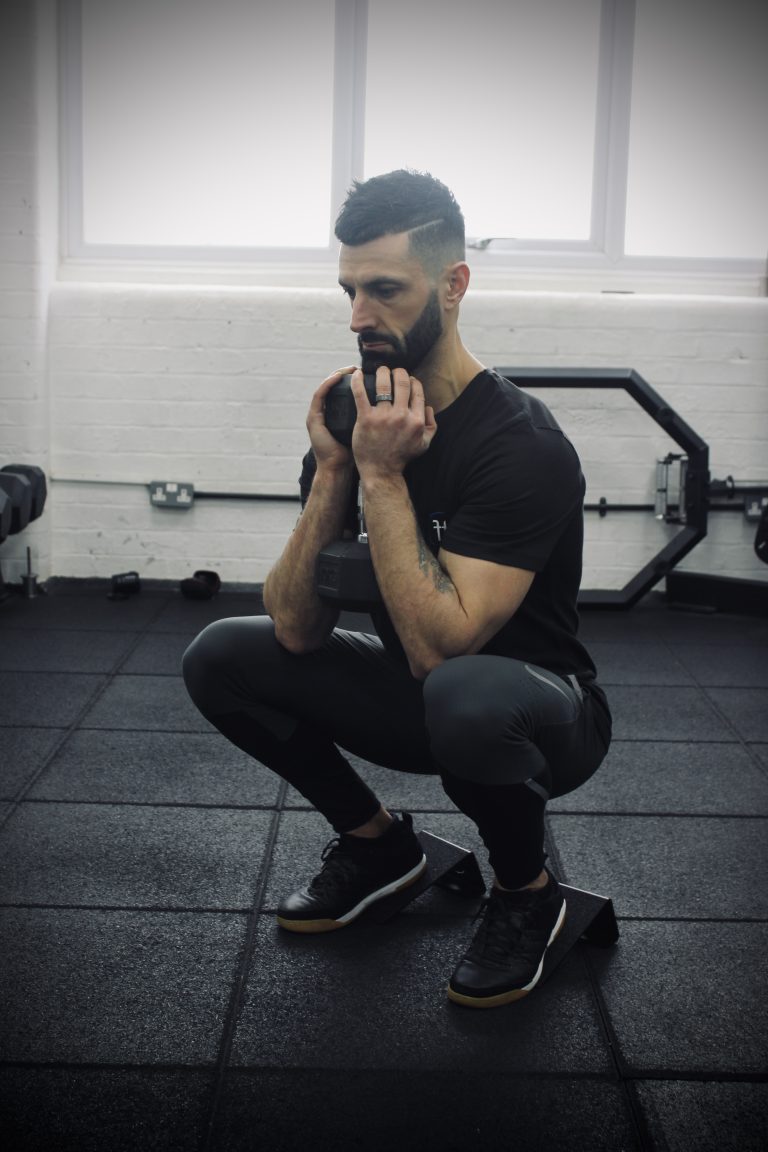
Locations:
{"points": [[338, 864], [501, 925]]}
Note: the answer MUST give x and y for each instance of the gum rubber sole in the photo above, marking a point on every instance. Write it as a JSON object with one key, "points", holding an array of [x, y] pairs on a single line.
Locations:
{"points": [[311, 927], [512, 994]]}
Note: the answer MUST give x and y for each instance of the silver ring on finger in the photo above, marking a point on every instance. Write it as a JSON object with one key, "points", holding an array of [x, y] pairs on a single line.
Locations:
{"points": [[383, 397]]}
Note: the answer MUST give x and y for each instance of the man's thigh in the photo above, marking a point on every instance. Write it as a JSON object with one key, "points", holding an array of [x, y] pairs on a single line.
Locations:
{"points": [[350, 689]]}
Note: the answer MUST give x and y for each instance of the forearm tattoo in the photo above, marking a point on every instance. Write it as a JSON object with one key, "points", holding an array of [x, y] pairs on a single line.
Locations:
{"points": [[429, 564]]}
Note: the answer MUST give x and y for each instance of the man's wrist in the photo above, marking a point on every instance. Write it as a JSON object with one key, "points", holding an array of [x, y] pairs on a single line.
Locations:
{"points": [[336, 475], [377, 482]]}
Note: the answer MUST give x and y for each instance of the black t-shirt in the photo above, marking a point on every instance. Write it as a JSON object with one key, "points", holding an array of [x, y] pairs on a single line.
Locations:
{"points": [[501, 482]]}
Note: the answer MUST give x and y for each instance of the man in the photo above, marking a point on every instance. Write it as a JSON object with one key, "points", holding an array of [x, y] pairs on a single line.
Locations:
{"points": [[473, 502]]}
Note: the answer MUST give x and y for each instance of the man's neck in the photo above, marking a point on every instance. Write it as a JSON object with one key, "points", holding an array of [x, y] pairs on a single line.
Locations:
{"points": [[446, 374]]}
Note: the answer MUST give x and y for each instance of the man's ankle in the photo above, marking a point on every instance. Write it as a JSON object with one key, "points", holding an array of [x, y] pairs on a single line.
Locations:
{"points": [[536, 885], [374, 827]]}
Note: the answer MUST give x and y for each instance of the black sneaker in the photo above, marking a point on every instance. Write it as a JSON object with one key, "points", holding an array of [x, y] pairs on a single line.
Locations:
{"points": [[355, 873], [506, 957]]}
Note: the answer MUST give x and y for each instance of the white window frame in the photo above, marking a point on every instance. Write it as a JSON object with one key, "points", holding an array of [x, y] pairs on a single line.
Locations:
{"points": [[599, 262]]}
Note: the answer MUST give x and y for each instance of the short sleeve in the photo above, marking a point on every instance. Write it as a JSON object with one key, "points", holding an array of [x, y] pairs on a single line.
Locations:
{"points": [[517, 501]]}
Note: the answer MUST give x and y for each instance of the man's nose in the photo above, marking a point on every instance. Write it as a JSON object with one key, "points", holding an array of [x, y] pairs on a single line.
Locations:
{"points": [[362, 318]]}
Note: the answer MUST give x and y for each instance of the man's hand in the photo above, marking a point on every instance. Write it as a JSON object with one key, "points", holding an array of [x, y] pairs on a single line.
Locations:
{"points": [[387, 436], [328, 450]]}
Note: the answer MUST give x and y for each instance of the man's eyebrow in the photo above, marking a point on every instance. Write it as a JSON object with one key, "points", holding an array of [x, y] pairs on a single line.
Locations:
{"points": [[376, 282]]}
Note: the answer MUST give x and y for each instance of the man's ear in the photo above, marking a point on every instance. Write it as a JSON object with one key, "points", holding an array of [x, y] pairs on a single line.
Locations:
{"points": [[456, 281]]}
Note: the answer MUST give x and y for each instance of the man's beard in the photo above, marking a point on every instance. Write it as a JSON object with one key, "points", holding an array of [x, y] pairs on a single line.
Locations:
{"points": [[409, 352]]}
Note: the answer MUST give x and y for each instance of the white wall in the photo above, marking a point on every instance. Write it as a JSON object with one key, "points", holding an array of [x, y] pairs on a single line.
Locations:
{"points": [[112, 386], [211, 386], [27, 251]]}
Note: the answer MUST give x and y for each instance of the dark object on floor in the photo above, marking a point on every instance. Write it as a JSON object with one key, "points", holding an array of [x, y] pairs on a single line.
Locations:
{"points": [[124, 584], [203, 585]]}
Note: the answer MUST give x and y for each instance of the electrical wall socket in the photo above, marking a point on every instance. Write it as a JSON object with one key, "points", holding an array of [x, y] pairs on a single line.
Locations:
{"points": [[170, 494]]}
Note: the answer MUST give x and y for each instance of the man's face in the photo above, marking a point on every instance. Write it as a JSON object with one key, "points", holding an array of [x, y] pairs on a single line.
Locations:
{"points": [[396, 311]]}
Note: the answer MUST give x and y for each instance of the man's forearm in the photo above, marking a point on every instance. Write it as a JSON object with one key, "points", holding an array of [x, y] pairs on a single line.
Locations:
{"points": [[421, 599], [302, 619]]}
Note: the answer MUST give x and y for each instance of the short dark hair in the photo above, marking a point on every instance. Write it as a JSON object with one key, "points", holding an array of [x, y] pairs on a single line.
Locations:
{"points": [[405, 201]]}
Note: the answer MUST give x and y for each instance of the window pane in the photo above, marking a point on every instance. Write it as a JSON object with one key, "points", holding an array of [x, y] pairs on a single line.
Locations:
{"points": [[698, 164], [496, 98], [207, 123]]}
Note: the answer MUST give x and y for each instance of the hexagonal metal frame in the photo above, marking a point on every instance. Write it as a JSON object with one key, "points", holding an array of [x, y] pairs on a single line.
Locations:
{"points": [[695, 501]]}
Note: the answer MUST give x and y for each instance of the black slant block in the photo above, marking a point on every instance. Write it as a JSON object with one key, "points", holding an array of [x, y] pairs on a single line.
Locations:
{"points": [[588, 917], [448, 866]]}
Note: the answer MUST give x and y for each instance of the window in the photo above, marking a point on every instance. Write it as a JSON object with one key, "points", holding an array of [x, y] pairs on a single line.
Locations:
{"points": [[577, 134], [205, 124], [698, 155], [498, 98]]}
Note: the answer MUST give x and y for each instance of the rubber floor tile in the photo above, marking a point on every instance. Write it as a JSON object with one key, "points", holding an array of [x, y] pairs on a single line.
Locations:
{"points": [[51, 651], [156, 768], [708, 1117], [734, 666], [665, 776], [375, 997], [45, 699], [159, 703], [191, 616], [24, 751], [103, 855], [462, 1111], [158, 654], [658, 713], [688, 998], [88, 611], [745, 708], [668, 866], [103, 1110], [98, 987], [761, 752], [647, 663]]}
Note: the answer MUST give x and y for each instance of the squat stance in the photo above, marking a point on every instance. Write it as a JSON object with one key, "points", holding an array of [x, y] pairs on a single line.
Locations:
{"points": [[473, 500]]}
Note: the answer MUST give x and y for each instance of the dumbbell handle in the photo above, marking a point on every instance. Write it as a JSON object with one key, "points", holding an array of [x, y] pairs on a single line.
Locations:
{"points": [[362, 532]]}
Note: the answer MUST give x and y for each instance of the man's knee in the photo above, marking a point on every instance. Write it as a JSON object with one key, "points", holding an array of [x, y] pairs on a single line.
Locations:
{"points": [[478, 725], [457, 713], [213, 655]]}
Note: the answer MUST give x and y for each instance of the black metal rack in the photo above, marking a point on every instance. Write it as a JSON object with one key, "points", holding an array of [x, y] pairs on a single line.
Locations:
{"points": [[695, 497]]}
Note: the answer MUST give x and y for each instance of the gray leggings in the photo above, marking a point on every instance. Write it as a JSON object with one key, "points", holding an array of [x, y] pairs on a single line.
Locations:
{"points": [[503, 735]]}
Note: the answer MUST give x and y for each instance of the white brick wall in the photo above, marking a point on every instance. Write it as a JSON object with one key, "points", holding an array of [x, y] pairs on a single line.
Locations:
{"points": [[112, 386], [211, 386], [27, 252]]}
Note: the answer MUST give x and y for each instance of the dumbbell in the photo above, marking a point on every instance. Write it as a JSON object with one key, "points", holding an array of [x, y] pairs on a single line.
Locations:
{"points": [[19, 491], [25, 485], [344, 570], [36, 477], [6, 513], [340, 409]]}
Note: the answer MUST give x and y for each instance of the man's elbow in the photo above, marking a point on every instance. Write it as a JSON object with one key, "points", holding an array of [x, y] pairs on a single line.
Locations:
{"points": [[422, 663], [298, 643]]}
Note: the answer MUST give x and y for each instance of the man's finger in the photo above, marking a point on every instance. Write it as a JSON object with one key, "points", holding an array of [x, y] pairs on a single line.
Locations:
{"points": [[401, 387], [358, 391]]}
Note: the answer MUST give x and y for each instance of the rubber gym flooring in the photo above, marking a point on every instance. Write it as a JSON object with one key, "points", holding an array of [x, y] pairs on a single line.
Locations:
{"points": [[149, 1000]]}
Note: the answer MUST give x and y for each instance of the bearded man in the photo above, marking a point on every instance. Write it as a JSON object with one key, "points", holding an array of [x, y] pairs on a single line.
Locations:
{"points": [[473, 500]]}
